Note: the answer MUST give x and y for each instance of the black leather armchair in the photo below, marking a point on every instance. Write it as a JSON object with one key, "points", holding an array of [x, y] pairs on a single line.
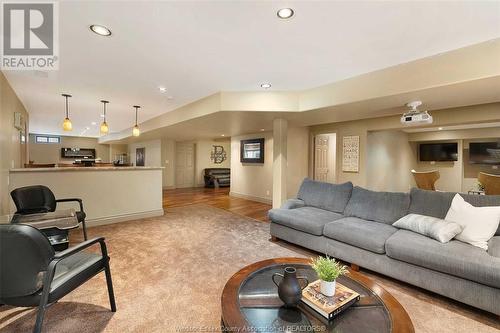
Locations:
{"points": [[40, 199], [217, 177], [32, 274]]}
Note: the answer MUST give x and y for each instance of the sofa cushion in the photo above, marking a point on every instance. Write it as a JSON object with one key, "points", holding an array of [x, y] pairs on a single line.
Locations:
{"points": [[455, 258], [430, 203], [332, 197], [437, 204], [384, 207], [306, 219], [367, 235]]}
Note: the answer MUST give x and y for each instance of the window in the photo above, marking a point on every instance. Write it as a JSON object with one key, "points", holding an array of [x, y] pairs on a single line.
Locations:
{"points": [[47, 139]]}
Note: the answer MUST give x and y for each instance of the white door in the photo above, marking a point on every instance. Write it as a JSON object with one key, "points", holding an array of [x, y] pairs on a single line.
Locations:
{"points": [[184, 165], [321, 158]]}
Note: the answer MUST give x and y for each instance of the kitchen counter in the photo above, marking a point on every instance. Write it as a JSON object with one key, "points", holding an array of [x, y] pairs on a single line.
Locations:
{"points": [[110, 194], [82, 168]]}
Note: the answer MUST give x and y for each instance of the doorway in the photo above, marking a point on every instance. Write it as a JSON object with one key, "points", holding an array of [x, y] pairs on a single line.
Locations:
{"points": [[325, 157], [184, 165]]}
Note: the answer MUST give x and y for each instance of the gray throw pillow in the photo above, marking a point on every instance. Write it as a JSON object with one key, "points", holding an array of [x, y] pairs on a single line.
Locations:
{"points": [[438, 229]]}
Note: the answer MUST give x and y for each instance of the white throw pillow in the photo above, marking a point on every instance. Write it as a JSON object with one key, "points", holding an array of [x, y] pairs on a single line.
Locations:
{"points": [[479, 223], [438, 229]]}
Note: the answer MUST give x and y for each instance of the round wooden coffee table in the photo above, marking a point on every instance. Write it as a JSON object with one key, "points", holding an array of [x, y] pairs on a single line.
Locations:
{"points": [[250, 303]]}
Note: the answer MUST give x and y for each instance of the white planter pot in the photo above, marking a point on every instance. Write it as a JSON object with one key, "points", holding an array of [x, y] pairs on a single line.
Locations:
{"points": [[327, 288]]}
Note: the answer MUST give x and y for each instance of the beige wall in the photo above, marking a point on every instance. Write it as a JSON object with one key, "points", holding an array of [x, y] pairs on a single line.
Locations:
{"points": [[256, 180], [390, 159], [460, 175], [203, 160], [153, 156], [447, 117], [168, 162], [12, 153], [252, 180], [51, 153], [297, 157]]}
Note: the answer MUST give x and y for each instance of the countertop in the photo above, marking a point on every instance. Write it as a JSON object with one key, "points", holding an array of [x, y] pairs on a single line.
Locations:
{"points": [[68, 169]]}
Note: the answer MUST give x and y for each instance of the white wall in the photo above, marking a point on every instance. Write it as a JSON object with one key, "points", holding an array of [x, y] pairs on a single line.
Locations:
{"points": [[203, 152], [153, 152]]}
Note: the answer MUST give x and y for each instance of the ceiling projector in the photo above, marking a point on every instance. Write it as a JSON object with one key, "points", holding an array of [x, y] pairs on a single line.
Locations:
{"points": [[415, 117]]}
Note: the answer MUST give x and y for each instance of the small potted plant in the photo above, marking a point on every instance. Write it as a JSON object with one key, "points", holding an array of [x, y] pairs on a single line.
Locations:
{"points": [[328, 271]]}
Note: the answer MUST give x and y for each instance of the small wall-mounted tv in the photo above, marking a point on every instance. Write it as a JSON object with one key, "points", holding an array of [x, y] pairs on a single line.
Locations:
{"points": [[252, 151], [438, 152], [484, 153]]}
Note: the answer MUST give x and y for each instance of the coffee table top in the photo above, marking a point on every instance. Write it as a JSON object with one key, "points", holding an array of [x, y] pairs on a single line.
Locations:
{"points": [[250, 301]]}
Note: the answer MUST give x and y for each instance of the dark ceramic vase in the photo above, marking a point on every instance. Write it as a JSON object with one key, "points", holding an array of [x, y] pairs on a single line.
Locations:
{"points": [[289, 289]]}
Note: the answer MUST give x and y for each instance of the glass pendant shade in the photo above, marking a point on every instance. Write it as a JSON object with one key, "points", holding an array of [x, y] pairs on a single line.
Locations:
{"points": [[104, 128], [104, 125], [67, 126], [136, 131]]}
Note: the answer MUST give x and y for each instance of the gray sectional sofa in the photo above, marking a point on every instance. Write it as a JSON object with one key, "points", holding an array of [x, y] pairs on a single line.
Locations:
{"points": [[355, 225]]}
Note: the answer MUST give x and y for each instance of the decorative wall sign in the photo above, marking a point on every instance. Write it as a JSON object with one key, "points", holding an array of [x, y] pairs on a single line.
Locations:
{"points": [[218, 154], [140, 156], [350, 153]]}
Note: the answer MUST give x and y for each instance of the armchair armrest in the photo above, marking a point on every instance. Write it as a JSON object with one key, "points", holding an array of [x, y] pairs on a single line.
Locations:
{"points": [[51, 269], [292, 204], [82, 246], [71, 200], [494, 246]]}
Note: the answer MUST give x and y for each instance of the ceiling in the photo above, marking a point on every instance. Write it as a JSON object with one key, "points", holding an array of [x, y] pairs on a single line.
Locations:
{"points": [[195, 49]]}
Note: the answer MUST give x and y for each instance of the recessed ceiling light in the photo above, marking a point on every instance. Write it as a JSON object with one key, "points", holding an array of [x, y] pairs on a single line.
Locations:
{"points": [[440, 128], [170, 97], [162, 89], [93, 123], [223, 135], [285, 13], [262, 130], [265, 85], [100, 30]]}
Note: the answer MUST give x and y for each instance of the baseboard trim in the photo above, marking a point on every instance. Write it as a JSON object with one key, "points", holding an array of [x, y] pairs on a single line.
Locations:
{"points": [[251, 197], [172, 187], [122, 218]]}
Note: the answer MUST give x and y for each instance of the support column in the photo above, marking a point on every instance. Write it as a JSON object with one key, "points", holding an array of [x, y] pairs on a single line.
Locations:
{"points": [[280, 129]]}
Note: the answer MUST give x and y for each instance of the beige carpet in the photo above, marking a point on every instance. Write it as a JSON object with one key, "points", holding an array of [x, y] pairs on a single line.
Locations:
{"points": [[169, 272]]}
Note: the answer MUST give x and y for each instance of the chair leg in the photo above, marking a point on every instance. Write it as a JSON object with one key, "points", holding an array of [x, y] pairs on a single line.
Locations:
{"points": [[41, 313], [111, 294], [84, 230]]}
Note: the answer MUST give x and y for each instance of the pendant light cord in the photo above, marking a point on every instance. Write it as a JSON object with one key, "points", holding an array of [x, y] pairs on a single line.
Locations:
{"points": [[67, 107]]}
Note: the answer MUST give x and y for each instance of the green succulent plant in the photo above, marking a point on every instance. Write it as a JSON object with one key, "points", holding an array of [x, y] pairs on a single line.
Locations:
{"points": [[327, 268]]}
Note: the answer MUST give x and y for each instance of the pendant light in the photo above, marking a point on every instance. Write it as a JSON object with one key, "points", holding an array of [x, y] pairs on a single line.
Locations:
{"points": [[67, 126], [136, 131], [104, 125]]}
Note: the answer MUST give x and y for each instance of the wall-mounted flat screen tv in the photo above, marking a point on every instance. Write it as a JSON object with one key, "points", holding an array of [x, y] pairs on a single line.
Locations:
{"points": [[438, 152], [484, 152]]}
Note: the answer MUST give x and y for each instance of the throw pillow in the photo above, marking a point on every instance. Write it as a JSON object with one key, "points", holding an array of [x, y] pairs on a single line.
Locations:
{"points": [[479, 223], [438, 229]]}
